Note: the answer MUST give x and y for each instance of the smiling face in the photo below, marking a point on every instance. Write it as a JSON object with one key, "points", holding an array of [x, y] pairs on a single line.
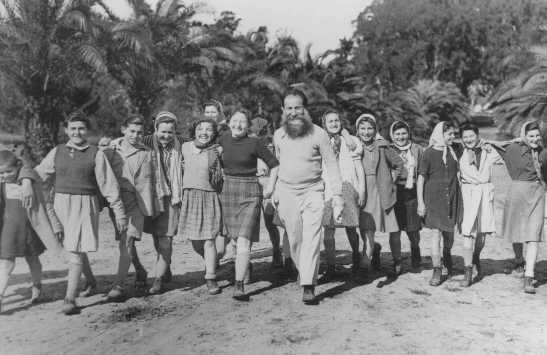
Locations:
{"points": [[293, 106], [204, 132], [211, 111], [449, 135], [133, 133], [534, 138], [9, 172], [239, 125], [333, 125], [401, 137], [366, 131], [470, 138], [76, 132], [165, 133]]}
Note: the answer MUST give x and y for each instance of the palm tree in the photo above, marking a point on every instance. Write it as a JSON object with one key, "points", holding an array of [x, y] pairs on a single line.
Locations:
{"points": [[46, 50]]}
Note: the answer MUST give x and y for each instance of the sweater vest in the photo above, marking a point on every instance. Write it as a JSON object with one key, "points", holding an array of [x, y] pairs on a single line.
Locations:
{"points": [[75, 175]]}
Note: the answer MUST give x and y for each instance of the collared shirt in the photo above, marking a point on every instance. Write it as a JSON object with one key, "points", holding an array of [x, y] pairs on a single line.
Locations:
{"points": [[301, 159]]}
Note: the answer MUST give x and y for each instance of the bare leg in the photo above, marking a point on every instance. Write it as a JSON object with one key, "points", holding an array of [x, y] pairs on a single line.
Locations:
{"points": [[531, 257], [436, 248], [242, 258], [164, 249], [86, 270], [395, 246], [6, 268], [468, 246], [35, 267]]}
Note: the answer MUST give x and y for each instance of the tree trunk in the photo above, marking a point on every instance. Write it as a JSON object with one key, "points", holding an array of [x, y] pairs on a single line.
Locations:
{"points": [[40, 137]]}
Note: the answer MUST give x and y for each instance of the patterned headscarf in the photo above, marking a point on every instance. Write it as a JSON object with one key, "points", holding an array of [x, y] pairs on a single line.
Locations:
{"points": [[535, 152], [334, 138]]}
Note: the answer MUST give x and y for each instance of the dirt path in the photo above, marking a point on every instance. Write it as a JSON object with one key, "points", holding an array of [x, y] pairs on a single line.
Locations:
{"points": [[357, 313]]}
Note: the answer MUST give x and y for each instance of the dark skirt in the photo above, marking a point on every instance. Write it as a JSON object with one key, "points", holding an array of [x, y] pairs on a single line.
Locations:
{"points": [[406, 209], [523, 212], [443, 203], [165, 224], [17, 238], [200, 215], [241, 201]]}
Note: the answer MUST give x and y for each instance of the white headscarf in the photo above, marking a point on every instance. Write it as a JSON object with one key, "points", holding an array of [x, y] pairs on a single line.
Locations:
{"points": [[409, 159], [371, 117], [437, 141]]}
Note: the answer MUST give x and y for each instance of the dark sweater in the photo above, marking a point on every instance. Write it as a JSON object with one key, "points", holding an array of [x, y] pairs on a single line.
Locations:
{"points": [[75, 175], [239, 155]]}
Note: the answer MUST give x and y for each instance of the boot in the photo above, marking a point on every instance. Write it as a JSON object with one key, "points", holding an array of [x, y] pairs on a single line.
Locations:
{"points": [[308, 295], [517, 267], [157, 287], [239, 292], [416, 258], [212, 287], [468, 277], [447, 261], [528, 285], [436, 277], [69, 307], [375, 261]]}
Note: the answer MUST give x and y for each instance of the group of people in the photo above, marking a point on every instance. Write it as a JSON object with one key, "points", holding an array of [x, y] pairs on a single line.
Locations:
{"points": [[306, 180]]}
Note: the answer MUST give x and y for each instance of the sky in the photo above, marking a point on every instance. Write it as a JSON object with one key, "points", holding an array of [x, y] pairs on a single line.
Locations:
{"points": [[319, 22]]}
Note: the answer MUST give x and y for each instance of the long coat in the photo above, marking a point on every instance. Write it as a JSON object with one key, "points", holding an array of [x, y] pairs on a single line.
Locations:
{"points": [[478, 193]]}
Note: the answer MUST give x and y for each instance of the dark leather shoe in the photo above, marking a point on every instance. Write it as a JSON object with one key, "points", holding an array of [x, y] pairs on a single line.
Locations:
{"points": [[308, 295], [528, 285], [239, 291], [212, 287]]}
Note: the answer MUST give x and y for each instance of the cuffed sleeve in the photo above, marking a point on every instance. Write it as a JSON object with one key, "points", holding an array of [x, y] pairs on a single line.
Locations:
{"points": [[108, 185]]}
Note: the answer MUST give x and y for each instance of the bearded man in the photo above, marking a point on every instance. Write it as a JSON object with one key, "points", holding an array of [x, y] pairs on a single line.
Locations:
{"points": [[302, 149]]}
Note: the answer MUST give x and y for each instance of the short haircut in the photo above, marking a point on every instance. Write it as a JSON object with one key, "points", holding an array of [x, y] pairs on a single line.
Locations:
{"points": [[204, 120], [298, 93], [243, 111], [8, 158], [469, 127], [531, 127], [78, 116], [133, 119]]}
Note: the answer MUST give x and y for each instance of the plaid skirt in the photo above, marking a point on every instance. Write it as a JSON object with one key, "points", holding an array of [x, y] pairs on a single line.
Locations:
{"points": [[241, 201], [200, 215]]}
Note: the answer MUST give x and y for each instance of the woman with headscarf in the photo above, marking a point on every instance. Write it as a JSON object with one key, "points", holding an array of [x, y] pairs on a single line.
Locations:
{"points": [[241, 195], [382, 167], [167, 162], [476, 168], [213, 109], [439, 195], [406, 207], [523, 213], [353, 190]]}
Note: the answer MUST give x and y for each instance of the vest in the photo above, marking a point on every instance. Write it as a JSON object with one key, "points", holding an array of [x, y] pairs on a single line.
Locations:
{"points": [[75, 175]]}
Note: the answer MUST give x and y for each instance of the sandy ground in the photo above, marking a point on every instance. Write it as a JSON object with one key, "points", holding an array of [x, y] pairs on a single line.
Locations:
{"points": [[357, 314]]}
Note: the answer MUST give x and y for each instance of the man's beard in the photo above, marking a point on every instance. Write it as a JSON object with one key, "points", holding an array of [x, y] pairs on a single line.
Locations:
{"points": [[297, 127]]}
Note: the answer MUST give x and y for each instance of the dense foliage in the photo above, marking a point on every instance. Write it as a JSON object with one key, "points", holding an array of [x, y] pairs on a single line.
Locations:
{"points": [[416, 60]]}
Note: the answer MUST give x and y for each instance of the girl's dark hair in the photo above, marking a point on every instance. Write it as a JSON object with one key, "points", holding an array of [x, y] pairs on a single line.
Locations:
{"points": [[469, 127], [78, 116], [133, 119], [8, 158], [204, 120], [447, 125], [214, 103], [243, 111], [531, 127], [296, 92]]}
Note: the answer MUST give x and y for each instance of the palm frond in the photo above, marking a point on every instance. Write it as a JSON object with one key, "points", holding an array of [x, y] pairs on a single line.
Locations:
{"points": [[92, 57]]}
